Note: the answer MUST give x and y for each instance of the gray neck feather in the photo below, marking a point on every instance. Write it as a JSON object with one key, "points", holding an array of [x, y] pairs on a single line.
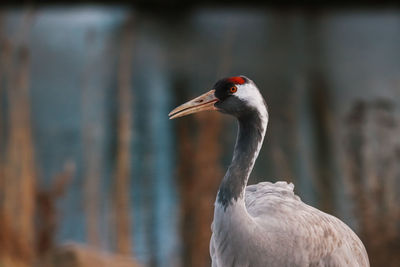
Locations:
{"points": [[250, 136]]}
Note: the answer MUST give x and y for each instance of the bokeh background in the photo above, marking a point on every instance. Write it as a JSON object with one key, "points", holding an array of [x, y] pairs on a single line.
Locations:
{"points": [[92, 172]]}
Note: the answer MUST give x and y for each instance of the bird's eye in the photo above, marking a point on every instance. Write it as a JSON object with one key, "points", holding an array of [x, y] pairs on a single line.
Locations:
{"points": [[233, 89]]}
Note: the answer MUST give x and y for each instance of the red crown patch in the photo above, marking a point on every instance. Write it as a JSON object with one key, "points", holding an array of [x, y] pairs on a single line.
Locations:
{"points": [[237, 80]]}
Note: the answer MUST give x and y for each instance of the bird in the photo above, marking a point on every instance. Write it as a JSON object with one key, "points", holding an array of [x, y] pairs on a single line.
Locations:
{"points": [[265, 224]]}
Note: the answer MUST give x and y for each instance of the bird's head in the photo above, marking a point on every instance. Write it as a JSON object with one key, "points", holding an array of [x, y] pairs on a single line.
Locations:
{"points": [[237, 96]]}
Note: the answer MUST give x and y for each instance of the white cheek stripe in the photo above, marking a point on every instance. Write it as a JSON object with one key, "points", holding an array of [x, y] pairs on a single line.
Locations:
{"points": [[249, 93]]}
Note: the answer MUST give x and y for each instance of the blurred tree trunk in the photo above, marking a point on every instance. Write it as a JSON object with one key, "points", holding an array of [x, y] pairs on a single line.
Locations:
{"points": [[283, 137], [19, 180], [324, 138], [2, 70], [47, 215], [372, 155], [124, 129], [2, 116], [322, 115], [185, 175]]}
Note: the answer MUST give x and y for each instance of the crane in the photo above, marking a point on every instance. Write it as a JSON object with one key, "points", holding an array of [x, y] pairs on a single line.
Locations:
{"points": [[266, 224]]}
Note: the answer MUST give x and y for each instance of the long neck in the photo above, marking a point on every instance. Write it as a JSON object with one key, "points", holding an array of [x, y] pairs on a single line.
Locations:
{"points": [[252, 128]]}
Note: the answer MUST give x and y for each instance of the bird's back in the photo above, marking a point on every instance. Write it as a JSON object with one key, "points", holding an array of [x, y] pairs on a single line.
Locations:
{"points": [[289, 232]]}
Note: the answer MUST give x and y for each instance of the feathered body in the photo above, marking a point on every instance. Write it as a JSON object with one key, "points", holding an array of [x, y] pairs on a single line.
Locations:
{"points": [[273, 227]]}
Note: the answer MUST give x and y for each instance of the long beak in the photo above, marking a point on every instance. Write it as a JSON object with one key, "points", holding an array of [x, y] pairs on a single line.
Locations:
{"points": [[204, 102]]}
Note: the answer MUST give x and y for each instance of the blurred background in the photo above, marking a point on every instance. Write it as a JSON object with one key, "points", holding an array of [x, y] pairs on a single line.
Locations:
{"points": [[92, 172]]}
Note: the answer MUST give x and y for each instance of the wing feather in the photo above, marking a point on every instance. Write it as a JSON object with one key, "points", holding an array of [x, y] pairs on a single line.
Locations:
{"points": [[317, 237]]}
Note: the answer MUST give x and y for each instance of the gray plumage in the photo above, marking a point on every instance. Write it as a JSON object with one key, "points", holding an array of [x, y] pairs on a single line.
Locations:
{"points": [[273, 227]]}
